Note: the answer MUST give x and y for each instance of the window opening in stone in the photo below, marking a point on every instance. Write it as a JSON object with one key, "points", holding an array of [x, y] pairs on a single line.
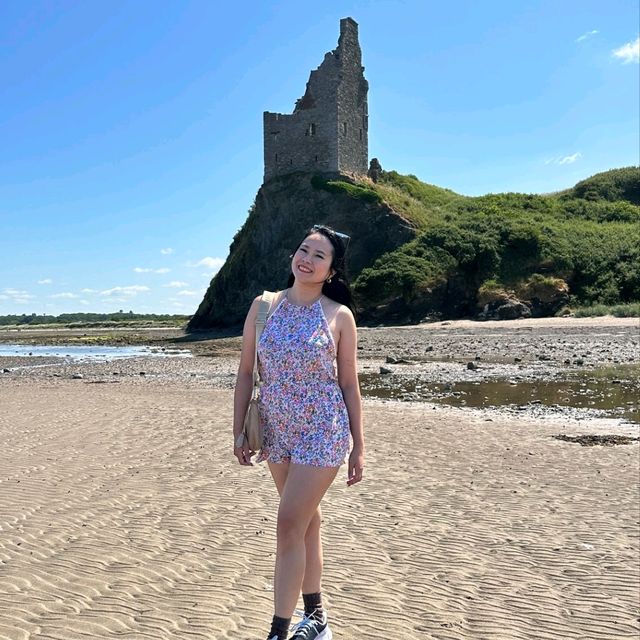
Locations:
{"points": [[276, 157], [316, 158], [311, 130], [360, 134], [344, 128], [290, 161]]}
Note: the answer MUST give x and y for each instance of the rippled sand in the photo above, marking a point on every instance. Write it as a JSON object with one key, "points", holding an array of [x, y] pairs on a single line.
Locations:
{"points": [[124, 515]]}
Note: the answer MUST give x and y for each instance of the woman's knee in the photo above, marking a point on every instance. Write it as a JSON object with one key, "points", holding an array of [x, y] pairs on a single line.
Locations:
{"points": [[314, 524], [290, 526]]}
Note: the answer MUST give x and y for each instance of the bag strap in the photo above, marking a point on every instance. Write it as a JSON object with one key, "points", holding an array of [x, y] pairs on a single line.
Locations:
{"points": [[261, 318]]}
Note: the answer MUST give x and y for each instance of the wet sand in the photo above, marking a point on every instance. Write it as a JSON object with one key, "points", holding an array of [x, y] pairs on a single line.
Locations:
{"points": [[124, 515]]}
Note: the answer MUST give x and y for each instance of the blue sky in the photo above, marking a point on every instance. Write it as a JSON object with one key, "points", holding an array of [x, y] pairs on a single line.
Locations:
{"points": [[131, 131]]}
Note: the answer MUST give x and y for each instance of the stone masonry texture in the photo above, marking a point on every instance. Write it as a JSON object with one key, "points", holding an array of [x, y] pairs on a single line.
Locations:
{"points": [[328, 129]]}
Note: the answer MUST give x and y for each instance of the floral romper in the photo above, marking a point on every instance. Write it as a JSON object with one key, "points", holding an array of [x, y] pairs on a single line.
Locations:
{"points": [[302, 410]]}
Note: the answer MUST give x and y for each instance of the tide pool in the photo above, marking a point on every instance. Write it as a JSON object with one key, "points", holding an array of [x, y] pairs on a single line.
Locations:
{"points": [[89, 353]]}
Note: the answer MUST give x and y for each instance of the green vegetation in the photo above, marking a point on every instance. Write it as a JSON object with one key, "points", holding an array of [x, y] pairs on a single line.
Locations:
{"points": [[582, 244], [356, 191], [611, 186], [631, 310], [84, 320]]}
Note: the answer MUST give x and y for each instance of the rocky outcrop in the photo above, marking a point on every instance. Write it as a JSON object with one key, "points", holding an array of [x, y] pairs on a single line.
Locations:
{"points": [[545, 295], [285, 207]]}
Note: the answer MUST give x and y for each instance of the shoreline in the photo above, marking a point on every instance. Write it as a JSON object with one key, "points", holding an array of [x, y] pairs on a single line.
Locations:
{"points": [[154, 334], [562, 367]]}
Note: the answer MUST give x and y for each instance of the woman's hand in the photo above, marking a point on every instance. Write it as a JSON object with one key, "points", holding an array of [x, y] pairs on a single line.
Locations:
{"points": [[356, 466], [244, 454]]}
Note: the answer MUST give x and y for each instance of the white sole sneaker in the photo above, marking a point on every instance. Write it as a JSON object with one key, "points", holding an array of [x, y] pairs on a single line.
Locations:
{"points": [[326, 635]]}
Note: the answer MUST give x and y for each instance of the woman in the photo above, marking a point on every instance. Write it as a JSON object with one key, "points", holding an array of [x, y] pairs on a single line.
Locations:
{"points": [[309, 405]]}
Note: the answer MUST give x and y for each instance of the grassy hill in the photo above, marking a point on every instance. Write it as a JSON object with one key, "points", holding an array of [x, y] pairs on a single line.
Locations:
{"points": [[583, 244], [419, 250]]}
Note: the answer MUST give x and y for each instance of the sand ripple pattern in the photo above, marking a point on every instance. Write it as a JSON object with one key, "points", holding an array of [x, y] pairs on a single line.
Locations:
{"points": [[123, 515]]}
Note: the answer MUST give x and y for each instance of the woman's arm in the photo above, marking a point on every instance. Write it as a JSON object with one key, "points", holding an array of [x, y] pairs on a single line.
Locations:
{"points": [[244, 380], [348, 381]]}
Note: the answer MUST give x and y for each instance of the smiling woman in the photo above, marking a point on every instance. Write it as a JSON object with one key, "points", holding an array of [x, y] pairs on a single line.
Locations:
{"points": [[310, 406]]}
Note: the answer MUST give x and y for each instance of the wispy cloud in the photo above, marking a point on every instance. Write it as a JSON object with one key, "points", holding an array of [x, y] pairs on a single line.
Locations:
{"points": [[584, 36], [45, 281], [176, 284], [209, 263], [564, 159], [146, 270], [629, 52], [88, 291], [16, 295], [128, 292], [167, 251], [66, 294], [187, 292]]}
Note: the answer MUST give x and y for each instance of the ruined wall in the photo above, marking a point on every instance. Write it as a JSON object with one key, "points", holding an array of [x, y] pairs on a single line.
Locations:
{"points": [[327, 131], [353, 117]]}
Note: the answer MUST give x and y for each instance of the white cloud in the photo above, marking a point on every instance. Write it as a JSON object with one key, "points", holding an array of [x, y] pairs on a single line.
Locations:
{"points": [[147, 270], [88, 291], [167, 251], [210, 263], [17, 295], [187, 292], [629, 52], [564, 159], [176, 284], [45, 281], [124, 291], [570, 159], [584, 36], [66, 294]]}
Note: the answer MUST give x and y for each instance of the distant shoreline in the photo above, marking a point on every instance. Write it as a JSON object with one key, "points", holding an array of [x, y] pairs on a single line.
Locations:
{"points": [[111, 335]]}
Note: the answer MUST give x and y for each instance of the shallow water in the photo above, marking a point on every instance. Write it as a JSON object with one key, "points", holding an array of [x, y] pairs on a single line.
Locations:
{"points": [[88, 353], [614, 390]]}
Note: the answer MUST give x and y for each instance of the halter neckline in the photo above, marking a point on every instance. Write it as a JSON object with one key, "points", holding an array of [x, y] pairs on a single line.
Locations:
{"points": [[303, 306]]}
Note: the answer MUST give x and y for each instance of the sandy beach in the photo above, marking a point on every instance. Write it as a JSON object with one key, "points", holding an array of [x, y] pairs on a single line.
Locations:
{"points": [[123, 514]]}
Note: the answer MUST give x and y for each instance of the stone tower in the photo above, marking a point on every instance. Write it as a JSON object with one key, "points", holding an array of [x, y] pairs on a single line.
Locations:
{"points": [[327, 131]]}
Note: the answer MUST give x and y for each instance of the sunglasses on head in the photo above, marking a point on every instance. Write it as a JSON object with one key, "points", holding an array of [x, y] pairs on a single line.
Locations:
{"points": [[343, 236]]}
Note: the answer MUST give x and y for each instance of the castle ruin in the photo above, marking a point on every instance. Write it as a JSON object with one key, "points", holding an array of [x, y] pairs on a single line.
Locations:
{"points": [[328, 129]]}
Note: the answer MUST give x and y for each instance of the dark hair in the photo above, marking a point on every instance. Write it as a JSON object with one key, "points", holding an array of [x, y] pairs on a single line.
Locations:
{"points": [[338, 289]]}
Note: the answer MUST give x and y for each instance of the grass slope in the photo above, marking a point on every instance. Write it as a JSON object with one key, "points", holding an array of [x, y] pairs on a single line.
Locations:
{"points": [[586, 238]]}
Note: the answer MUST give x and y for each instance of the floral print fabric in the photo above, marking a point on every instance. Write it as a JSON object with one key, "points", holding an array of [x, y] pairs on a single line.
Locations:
{"points": [[303, 412]]}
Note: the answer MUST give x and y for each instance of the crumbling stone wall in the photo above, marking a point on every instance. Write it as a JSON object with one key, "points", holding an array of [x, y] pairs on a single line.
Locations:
{"points": [[328, 129]]}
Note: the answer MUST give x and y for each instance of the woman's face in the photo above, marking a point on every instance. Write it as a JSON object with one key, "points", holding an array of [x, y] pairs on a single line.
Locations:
{"points": [[312, 260]]}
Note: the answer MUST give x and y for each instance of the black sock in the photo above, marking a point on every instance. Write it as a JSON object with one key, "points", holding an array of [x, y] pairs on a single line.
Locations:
{"points": [[313, 605], [279, 628]]}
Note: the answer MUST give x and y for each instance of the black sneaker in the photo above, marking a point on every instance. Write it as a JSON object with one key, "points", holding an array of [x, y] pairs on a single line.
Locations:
{"points": [[312, 629]]}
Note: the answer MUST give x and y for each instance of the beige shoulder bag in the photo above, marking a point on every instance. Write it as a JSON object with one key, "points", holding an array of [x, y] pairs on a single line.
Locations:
{"points": [[252, 426]]}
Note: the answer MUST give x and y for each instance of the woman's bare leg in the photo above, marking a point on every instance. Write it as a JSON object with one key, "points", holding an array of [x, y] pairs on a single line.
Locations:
{"points": [[300, 498], [311, 582], [312, 539]]}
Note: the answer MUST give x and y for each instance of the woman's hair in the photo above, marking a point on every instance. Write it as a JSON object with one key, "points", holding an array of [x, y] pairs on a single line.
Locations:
{"points": [[338, 289]]}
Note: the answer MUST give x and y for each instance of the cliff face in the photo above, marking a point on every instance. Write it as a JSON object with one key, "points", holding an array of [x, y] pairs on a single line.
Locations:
{"points": [[284, 209]]}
